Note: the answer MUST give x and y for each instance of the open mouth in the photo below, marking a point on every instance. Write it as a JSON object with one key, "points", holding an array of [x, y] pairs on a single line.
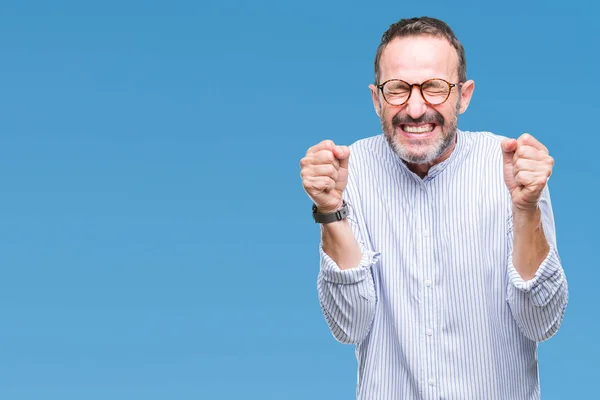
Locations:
{"points": [[417, 129]]}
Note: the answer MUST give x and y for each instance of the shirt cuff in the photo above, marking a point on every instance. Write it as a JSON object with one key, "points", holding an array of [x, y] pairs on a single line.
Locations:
{"points": [[546, 281], [331, 272]]}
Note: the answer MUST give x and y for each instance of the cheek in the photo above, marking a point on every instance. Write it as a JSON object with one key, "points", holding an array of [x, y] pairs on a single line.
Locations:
{"points": [[387, 115], [448, 112]]}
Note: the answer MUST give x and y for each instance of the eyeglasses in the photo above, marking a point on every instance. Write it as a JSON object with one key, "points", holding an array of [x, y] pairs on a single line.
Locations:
{"points": [[434, 91]]}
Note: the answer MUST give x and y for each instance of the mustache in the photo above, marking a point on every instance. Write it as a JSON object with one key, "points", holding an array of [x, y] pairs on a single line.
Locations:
{"points": [[430, 117]]}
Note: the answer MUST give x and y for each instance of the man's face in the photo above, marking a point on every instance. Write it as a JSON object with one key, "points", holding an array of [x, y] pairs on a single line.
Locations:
{"points": [[418, 132]]}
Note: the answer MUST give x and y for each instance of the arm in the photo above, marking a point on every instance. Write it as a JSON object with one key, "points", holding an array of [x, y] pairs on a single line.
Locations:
{"points": [[339, 243], [345, 283], [537, 289], [530, 246]]}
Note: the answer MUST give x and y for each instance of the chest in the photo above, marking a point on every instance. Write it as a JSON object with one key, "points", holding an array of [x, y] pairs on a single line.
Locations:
{"points": [[450, 231]]}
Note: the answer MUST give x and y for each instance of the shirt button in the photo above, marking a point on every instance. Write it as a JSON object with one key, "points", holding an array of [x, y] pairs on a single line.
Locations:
{"points": [[427, 283], [429, 332], [431, 381], [425, 232]]}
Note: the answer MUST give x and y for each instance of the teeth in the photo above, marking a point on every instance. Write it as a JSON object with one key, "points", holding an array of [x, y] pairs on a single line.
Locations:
{"points": [[418, 129]]}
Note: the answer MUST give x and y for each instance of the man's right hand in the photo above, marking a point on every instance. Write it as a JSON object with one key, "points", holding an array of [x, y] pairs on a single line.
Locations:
{"points": [[324, 172]]}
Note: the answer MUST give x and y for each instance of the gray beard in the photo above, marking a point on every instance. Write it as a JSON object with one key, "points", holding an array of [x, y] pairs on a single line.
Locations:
{"points": [[436, 149], [434, 152]]}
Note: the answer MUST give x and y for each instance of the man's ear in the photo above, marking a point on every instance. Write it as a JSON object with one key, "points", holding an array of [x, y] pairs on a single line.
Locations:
{"points": [[465, 95], [376, 100]]}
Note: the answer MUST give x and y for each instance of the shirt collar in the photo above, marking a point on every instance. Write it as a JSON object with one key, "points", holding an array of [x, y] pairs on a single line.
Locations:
{"points": [[457, 154]]}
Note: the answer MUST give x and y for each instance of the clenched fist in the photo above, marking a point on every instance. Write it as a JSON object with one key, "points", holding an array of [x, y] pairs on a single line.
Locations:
{"points": [[527, 167], [324, 172]]}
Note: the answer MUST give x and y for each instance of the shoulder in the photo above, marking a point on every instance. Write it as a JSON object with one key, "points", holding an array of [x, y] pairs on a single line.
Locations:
{"points": [[369, 152], [483, 139], [484, 144], [369, 146]]}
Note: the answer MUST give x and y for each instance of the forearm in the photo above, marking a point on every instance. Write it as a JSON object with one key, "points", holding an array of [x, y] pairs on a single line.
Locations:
{"points": [[340, 244], [530, 246], [345, 283], [537, 290]]}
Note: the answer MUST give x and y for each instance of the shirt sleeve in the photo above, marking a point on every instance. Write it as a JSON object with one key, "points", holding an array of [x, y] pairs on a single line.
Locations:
{"points": [[332, 273], [348, 297], [538, 305]]}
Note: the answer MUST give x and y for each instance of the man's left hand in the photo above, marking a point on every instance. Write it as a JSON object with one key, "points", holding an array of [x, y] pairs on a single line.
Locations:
{"points": [[527, 168]]}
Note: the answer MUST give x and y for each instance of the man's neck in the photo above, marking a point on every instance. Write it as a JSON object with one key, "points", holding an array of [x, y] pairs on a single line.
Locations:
{"points": [[423, 169]]}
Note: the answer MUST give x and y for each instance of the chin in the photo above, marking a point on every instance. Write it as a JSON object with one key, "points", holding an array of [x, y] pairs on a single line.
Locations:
{"points": [[416, 156], [416, 151], [419, 148], [419, 158]]}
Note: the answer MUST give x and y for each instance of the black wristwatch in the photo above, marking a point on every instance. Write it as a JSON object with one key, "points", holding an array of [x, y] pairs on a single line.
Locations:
{"points": [[338, 215]]}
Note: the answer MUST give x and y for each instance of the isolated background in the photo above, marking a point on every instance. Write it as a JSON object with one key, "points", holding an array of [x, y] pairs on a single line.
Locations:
{"points": [[155, 240]]}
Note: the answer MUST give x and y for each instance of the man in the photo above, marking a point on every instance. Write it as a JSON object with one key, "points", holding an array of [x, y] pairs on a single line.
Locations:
{"points": [[438, 248]]}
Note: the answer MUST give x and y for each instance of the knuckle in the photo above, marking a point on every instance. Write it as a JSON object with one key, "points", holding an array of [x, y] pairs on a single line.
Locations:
{"points": [[328, 144], [521, 176], [539, 178], [311, 171], [518, 165], [306, 183], [334, 175], [326, 156], [316, 185], [335, 163]]}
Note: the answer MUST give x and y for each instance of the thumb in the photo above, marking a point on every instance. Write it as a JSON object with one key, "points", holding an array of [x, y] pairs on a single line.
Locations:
{"points": [[342, 153], [508, 149]]}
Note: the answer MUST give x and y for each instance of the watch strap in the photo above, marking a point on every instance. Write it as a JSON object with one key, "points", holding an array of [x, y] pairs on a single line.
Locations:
{"points": [[337, 215]]}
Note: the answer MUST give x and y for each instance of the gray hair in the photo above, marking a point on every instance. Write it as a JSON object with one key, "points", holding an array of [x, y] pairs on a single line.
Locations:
{"points": [[418, 27]]}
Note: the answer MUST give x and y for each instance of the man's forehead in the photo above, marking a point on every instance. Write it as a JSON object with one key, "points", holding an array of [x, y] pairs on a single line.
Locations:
{"points": [[418, 58]]}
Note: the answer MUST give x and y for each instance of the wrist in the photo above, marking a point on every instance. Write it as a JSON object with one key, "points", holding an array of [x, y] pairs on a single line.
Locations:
{"points": [[527, 218], [329, 210], [525, 211], [326, 217]]}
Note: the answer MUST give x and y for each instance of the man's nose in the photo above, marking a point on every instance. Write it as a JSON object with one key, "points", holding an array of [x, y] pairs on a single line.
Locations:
{"points": [[416, 105]]}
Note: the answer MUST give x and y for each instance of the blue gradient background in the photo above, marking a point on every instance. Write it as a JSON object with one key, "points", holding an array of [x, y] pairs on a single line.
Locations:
{"points": [[155, 239]]}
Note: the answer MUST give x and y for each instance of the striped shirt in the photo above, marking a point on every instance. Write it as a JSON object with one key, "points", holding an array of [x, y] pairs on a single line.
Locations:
{"points": [[435, 308]]}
